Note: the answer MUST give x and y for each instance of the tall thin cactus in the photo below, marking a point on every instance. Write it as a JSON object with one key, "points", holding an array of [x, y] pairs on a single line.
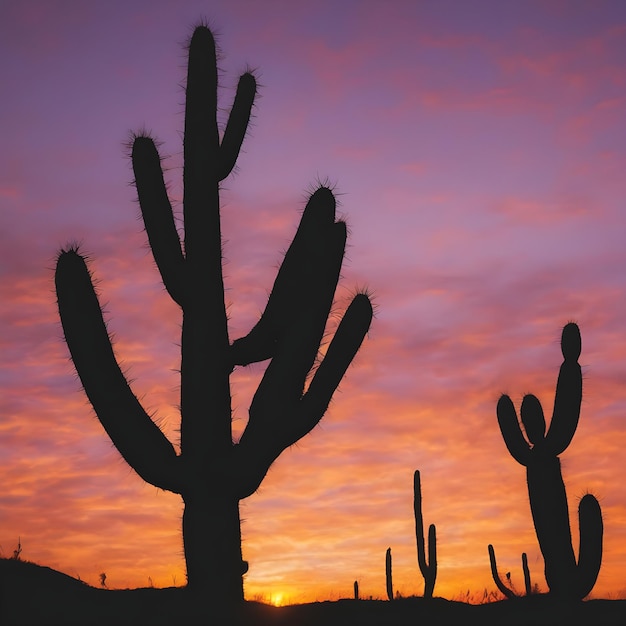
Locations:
{"points": [[526, 571], [428, 568], [548, 499], [388, 574], [212, 473]]}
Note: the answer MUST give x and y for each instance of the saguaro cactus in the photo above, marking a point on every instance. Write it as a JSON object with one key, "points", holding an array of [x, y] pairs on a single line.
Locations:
{"points": [[548, 499], [212, 473], [428, 569], [509, 592]]}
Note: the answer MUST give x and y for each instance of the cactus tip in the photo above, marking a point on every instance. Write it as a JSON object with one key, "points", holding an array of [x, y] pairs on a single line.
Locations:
{"points": [[533, 418], [571, 342], [70, 253], [589, 504], [363, 302], [324, 194], [248, 82]]}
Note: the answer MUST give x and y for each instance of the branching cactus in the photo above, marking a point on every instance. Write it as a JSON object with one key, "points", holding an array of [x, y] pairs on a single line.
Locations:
{"points": [[212, 473], [509, 592], [548, 499], [428, 569]]}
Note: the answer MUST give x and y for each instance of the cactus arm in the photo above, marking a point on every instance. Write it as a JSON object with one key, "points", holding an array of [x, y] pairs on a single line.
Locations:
{"points": [[138, 439], [527, 584], [509, 593], [273, 427], [431, 574], [341, 351], [511, 431], [388, 574], [533, 420], [298, 347], [568, 397], [295, 355], [237, 124], [158, 216], [428, 569], [292, 281], [590, 546]]}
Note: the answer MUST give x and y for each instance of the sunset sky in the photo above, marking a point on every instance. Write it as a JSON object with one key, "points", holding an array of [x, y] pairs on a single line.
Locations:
{"points": [[478, 151]]}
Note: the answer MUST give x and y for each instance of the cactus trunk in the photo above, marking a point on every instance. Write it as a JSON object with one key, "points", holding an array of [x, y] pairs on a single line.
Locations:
{"points": [[548, 505], [212, 542]]}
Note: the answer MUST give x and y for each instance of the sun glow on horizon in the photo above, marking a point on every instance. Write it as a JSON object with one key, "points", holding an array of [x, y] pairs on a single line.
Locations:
{"points": [[278, 599]]}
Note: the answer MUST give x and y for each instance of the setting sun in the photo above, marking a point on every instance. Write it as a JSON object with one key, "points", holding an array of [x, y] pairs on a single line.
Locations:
{"points": [[277, 599]]}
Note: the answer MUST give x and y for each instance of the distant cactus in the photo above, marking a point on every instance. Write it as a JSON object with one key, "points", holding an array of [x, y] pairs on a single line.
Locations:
{"points": [[212, 473], [548, 499], [525, 569], [18, 550], [356, 589], [428, 569], [509, 592], [388, 575]]}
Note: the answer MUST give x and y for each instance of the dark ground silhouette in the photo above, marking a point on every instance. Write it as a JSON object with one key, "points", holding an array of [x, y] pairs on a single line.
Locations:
{"points": [[35, 595]]}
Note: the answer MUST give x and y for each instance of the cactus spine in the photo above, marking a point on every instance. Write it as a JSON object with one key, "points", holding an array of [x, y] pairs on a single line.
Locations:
{"points": [[428, 569], [388, 578], [212, 473], [509, 592], [548, 499]]}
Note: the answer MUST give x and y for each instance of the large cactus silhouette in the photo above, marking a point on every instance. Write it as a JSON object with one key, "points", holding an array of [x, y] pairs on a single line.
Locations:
{"points": [[212, 473], [548, 499]]}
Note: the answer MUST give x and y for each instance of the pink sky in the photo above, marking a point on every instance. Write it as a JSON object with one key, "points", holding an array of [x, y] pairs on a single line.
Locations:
{"points": [[478, 151]]}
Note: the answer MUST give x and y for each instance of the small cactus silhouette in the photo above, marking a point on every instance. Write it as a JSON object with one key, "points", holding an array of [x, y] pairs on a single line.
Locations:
{"points": [[388, 574], [509, 592], [428, 569], [18, 550], [356, 589], [548, 499], [212, 473], [526, 570]]}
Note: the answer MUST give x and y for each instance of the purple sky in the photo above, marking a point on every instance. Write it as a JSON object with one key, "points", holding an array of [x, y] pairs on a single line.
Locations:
{"points": [[478, 151]]}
